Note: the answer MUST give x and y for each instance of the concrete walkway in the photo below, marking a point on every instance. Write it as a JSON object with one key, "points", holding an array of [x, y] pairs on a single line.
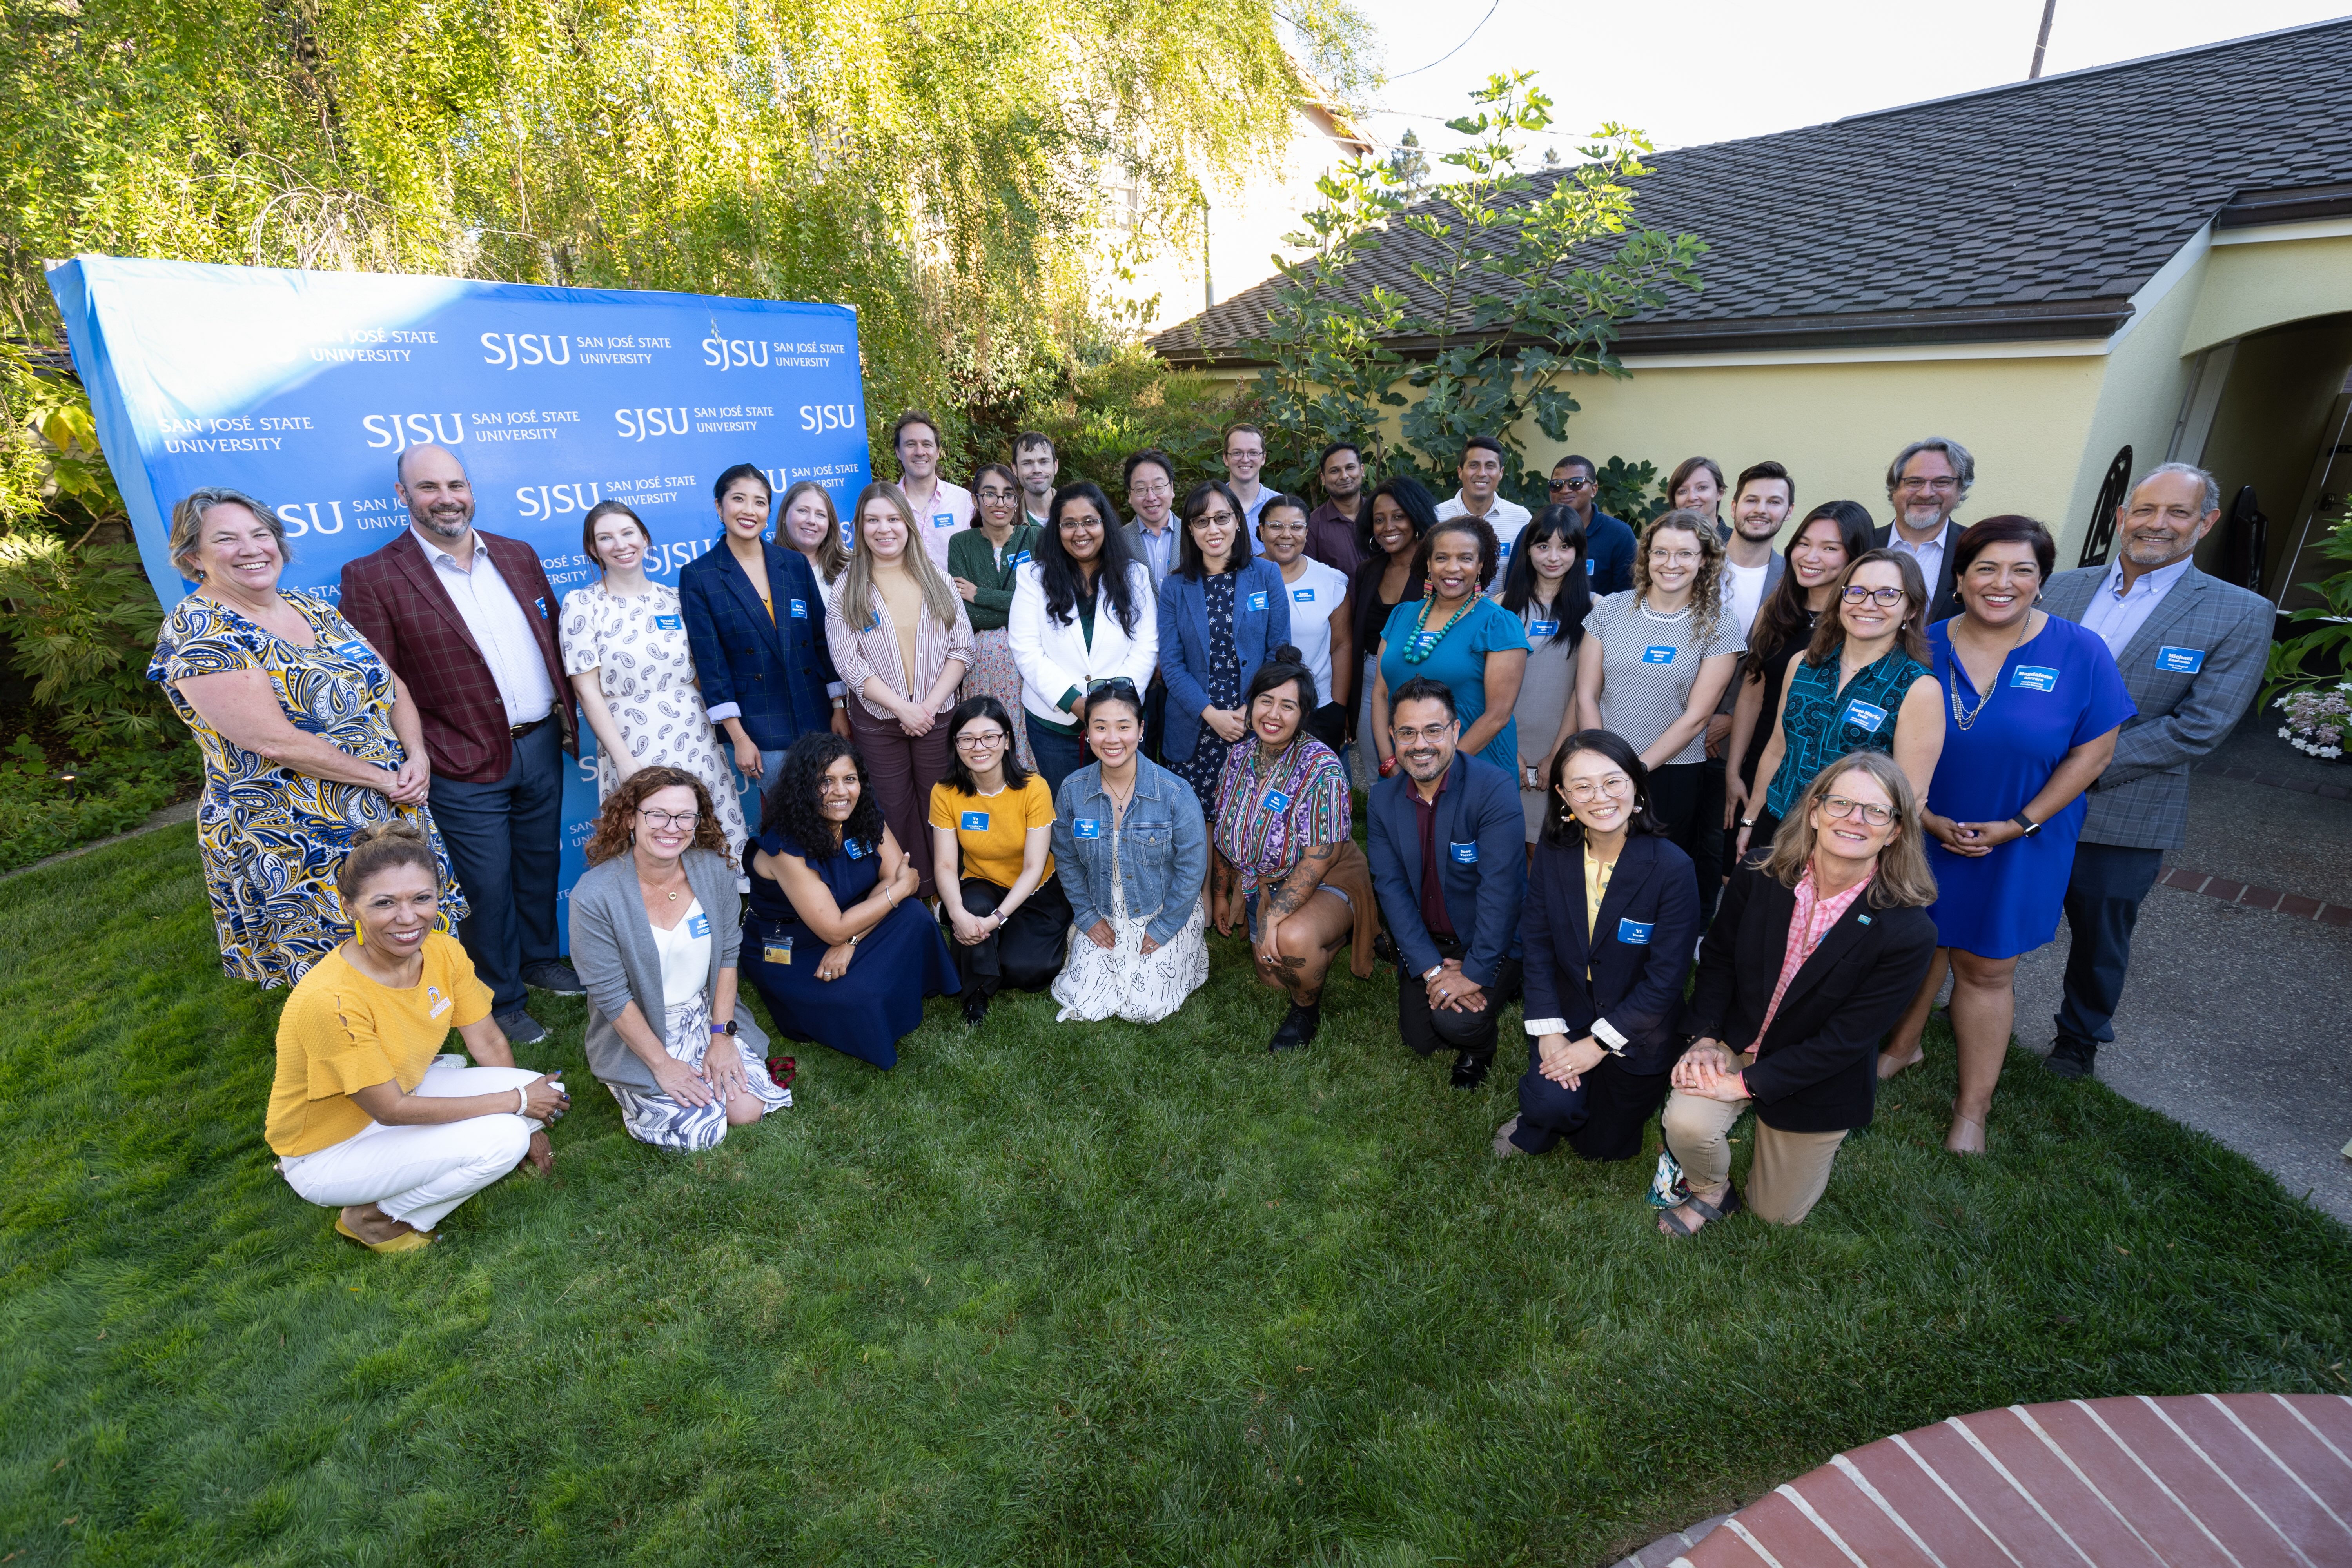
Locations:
{"points": [[2237, 1020]]}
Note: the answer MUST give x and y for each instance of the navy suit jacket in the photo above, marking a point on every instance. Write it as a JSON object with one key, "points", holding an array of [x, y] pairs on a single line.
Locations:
{"points": [[774, 673], [1261, 624], [1648, 923], [1482, 860]]}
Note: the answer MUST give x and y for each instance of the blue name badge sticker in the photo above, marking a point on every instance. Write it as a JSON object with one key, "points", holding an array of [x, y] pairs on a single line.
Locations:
{"points": [[1635, 933], [976, 822], [356, 649], [1021, 558], [2035, 677], [1464, 854], [698, 925], [1424, 643], [1503, 549], [668, 624], [1257, 601], [1863, 716], [1302, 595], [1543, 629], [1277, 801], [1087, 826], [800, 610], [855, 850], [1658, 652], [1590, 569], [942, 520], [2180, 660]]}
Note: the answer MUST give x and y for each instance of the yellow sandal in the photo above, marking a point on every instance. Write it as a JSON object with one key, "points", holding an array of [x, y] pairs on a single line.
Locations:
{"points": [[410, 1241]]}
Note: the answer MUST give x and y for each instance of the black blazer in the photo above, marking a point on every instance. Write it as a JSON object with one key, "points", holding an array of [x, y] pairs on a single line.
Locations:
{"points": [[1817, 1071], [1944, 596], [1649, 918]]}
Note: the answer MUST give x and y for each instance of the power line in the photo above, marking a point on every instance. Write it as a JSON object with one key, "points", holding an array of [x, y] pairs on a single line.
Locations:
{"points": [[1457, 48]]}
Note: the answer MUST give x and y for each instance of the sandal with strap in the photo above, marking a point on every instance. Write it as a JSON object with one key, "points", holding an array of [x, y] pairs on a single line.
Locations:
{"points": [[1707, 1213]]}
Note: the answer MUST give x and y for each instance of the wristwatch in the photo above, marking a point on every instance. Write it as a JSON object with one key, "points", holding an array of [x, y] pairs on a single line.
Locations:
{"points": [[727, 1028], [2028, 823]]}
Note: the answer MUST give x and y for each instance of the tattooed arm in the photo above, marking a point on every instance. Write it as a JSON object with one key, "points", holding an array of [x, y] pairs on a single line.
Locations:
{"points": [[1284, 899]]}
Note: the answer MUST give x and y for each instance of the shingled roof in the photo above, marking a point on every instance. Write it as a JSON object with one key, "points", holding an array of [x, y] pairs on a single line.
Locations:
{"points": [[2029, 211]]}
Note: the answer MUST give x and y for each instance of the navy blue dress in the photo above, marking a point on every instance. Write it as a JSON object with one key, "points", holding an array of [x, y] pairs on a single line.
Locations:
{"points": [[878, 1001], [2057, 692]]}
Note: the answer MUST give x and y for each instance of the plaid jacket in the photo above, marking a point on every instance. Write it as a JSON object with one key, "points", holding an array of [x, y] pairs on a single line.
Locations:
{"points": [[2141, 802], [397, 603], [770, 672]]}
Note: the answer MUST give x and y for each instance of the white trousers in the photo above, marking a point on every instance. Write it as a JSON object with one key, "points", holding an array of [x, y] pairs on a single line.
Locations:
{"points": [[419, 1173]]}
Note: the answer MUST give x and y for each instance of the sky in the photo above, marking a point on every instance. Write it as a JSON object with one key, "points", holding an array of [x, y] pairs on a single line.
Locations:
{"points": [[1693, 72]]}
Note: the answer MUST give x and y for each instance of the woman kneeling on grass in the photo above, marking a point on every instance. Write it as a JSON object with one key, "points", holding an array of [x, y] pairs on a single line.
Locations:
{"points": [[655, 929], [365, 1114], [1807, 964]]}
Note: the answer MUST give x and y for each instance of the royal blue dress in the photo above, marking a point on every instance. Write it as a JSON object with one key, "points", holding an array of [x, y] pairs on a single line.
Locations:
{"points": [[2057, 692], [878, 1001]]}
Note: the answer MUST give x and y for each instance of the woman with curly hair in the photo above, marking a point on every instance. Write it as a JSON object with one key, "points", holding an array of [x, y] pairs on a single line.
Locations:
{"points": [[1662, 655], [836, 943], [654, 937]]}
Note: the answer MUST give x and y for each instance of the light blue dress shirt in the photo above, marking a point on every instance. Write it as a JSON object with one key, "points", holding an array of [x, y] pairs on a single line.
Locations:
{"points": [[2115, 615]]}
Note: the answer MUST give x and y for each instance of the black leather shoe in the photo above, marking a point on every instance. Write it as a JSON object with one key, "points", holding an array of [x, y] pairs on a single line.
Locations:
{"points": [[1384, 949], [556, 978], [976, 1008], [1299, 1026], [2070, 1058], [1470, 1071], [519, 1027]]}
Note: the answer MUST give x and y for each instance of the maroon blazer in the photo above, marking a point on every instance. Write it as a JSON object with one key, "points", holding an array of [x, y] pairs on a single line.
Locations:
{"points": [[398, 603]]}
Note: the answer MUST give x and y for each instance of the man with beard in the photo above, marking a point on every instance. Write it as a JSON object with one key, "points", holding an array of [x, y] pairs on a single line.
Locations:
{"points": [[1928, 481], [1448, 848], [2193, 650], [1036, 465], [1331, 528], [1760, 502], [466, 620]]}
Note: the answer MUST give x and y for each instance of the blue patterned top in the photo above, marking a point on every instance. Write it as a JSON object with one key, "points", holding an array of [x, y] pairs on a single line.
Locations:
{"points": [[1822, 723]]}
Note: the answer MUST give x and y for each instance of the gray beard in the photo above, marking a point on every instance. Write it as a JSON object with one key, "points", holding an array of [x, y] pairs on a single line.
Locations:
{"points": [[433, 525]]}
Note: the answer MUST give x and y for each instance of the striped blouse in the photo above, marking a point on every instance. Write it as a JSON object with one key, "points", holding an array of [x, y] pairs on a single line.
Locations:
{"points": [[861, 653], [1268, 815]]}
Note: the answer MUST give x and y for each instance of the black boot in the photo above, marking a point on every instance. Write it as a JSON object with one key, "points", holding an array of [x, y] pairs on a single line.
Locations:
{"points": [[1299, 1026], [975, 1006], [1470, 1071]]}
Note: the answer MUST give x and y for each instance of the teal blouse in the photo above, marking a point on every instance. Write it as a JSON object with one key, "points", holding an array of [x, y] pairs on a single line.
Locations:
{"points": [[1822, 723]]}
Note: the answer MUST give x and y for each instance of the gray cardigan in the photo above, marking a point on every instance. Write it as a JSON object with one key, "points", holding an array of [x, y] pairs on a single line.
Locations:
{"points": [[613, 953]]}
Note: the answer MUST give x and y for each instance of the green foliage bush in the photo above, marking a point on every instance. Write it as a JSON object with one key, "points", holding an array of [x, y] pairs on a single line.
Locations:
{"points": [[46, 808]]}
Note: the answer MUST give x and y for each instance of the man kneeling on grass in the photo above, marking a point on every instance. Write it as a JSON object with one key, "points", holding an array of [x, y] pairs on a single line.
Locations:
{"points": [[1802, 972], [366, 1114]]}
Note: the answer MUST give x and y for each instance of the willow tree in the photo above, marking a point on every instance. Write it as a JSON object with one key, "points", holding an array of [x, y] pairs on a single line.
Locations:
{"points": [[934, 165]]}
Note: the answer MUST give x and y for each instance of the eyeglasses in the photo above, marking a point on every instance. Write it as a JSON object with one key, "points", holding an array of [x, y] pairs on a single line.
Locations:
{"points": [[1152, 487], [1220, 515], [670, 818], [1431, 732], [979, 739], [1885, 598], [1584, 791], [1676, 557], [1571, 486], [1838, 807], [1941, 487]]}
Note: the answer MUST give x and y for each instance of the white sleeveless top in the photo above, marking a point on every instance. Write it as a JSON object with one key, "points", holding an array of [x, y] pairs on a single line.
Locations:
{"points": [[684, 953]]}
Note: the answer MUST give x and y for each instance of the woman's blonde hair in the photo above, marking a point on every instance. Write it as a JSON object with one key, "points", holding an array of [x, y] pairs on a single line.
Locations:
{"points": [[1903, 880], [378, 848], [1706, 588], [832, 555], [857, 580], [188, 524]]}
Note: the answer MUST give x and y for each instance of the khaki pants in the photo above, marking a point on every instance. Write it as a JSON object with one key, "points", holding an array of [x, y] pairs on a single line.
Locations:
{"points": [[1790, 1172]]}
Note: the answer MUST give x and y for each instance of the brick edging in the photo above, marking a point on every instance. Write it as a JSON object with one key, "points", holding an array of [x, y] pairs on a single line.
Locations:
{"points": [[2255, 898]]}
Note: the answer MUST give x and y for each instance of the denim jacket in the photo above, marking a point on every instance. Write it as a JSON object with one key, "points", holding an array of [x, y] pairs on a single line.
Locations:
{"points": [[1163, 848]]}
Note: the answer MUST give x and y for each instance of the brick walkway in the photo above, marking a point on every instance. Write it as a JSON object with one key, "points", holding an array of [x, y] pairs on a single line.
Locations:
{"points": [[2183, 1481]]}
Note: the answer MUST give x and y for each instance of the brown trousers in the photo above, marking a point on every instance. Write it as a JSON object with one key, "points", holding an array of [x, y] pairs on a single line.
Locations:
{"points": [[1790, 1172]]}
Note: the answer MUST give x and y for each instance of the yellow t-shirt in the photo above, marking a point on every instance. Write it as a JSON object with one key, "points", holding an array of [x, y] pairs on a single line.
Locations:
{"points": [[343, 1031], [991, 829]]}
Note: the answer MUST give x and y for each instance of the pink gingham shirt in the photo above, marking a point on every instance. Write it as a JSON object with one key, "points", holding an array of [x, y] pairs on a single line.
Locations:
{"points": [[1810, 922]]}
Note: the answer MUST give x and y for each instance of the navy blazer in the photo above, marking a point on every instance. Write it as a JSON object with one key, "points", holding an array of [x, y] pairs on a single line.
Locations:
{"points": [[771, 674], [1482, 848], [1817, 1068], [1648, 921], [1261, 624]]}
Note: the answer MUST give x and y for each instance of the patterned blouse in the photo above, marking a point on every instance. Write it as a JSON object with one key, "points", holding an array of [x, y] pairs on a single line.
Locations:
{"points": [[1270, 815], [1822, 723]]}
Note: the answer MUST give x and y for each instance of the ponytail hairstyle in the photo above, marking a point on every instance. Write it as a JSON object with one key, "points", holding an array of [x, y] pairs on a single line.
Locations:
{"points": [[378, 848], [1287, 667]]}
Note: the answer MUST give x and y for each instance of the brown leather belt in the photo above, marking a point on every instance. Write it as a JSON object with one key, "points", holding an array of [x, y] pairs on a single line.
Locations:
{"points": [[520, 731]]}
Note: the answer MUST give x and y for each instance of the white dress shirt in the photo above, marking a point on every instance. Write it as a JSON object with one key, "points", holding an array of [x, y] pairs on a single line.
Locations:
{"points": [[2117, 615], [500, 626], [1507, 518], [1929, 555]]}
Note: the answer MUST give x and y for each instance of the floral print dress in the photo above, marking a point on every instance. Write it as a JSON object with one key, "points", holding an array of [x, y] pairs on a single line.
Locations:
{"points": [[272, 838], [637, 646]]}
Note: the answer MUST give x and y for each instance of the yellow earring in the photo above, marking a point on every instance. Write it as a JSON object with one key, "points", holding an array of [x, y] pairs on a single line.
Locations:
{"points": [[359, 934]]}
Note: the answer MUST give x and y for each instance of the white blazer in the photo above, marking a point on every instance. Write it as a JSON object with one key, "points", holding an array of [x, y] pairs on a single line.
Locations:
{"points": [[1052, 658]]}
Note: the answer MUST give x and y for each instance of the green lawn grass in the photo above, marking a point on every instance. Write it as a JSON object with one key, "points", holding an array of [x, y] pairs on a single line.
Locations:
{"points": [[1043, 1295]]}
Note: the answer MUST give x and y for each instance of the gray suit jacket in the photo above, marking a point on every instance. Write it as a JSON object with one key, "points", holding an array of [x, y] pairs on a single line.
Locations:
{"points": [[2141, 802], [613, 953], [1134, 532]]}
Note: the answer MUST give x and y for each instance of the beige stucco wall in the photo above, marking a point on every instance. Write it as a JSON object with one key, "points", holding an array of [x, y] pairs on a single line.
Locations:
{"points": [[2248, 287]]}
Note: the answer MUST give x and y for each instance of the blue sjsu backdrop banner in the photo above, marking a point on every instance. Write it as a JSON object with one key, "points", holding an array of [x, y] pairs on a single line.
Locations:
{"points": [[303, 388]]}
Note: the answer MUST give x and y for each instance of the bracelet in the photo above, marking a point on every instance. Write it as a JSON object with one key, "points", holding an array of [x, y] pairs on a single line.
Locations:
{"points": [[1747, 822], [522, 1100]]}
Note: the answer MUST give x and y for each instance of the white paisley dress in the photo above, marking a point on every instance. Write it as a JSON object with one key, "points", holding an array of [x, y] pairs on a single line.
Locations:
{"points": [[637, 646], [272, 838]]}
